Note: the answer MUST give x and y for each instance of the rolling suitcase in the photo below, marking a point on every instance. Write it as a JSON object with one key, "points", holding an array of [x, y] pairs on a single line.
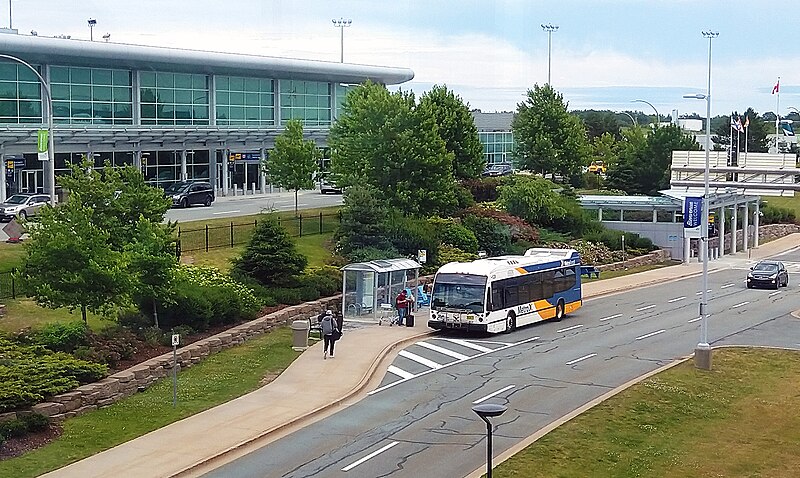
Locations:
{"points": [[410, 320]]}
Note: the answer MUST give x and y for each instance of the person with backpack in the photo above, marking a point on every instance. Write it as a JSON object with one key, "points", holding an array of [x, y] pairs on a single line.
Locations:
{"points": [[330, 333], [401, 303]]}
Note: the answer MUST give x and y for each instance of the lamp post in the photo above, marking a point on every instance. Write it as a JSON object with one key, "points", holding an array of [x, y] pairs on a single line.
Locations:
{"points": [[633, 120], [341, 24], [486, 411], [549, 28], [92, 22], [702, 353], [51, 169], [658, 118]]}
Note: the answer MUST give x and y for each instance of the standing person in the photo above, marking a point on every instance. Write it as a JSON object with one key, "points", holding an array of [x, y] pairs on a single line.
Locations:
{"points": [[328, 330], [401, 302]]}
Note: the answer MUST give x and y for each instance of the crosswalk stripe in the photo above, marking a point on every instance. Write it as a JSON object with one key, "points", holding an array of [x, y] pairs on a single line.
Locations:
{"points": [[418, 359], [400, 372], [469, 345], [442, 350]]}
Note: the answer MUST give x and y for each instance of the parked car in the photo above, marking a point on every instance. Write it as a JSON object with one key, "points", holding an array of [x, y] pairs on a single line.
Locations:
{"points": [[22, 206], [326, 186], [768, 273], [186, 193], [498, 169]]}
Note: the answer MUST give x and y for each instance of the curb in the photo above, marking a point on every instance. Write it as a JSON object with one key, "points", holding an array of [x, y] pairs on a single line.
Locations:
{"points": [[362, 384]]}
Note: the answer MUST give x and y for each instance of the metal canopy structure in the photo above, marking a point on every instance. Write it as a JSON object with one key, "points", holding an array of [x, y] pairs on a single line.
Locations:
{"points": [[17, 139], [369, 288], [664, 226], [749, 173]]}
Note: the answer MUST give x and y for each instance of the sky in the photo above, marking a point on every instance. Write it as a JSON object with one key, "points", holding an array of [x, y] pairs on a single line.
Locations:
{"points": [[605, 53]]}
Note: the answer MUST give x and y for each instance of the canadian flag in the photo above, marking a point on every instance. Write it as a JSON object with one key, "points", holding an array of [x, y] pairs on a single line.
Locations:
{"points": [[777, 87]]}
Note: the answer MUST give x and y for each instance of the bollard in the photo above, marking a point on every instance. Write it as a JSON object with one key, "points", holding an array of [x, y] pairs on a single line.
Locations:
{"points": [[299, 335]]}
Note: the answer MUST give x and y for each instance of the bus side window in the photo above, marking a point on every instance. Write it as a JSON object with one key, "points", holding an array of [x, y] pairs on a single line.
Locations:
{"points": [[497, 298]]}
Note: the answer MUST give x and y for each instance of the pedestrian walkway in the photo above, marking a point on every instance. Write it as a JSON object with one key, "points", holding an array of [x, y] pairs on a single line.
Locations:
{"points": [[312, 388]]}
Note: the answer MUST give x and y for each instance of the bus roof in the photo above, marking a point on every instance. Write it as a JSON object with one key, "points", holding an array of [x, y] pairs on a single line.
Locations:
{"points": [[536, 259]]}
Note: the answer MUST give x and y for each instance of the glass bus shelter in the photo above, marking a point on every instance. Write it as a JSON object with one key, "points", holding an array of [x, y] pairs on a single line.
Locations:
{"points": [[369, 288]]}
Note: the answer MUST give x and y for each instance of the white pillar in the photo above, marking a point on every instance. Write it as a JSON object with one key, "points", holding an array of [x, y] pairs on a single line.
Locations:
{"points": [[722, 231], [184, 176], [687, 244], [600, 214], [756, 220], [137, 160], [244, 184], [3, 192], [262, 176], [746, 227], [226, 154], [655, 215], [733, 227]]}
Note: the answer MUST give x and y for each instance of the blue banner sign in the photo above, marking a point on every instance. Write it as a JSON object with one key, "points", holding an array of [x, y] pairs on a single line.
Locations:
{"points": [[692, 216]]}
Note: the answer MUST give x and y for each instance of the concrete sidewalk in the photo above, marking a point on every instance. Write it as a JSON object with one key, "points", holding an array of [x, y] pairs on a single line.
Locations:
{"points": [[312, 388]]}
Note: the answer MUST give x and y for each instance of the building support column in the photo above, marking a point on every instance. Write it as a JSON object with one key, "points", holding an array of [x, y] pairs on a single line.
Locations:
{"points": [[756, 221], [600, 214], [212, 169], [184, 176], [687, 249], [262, 175], [746, 227], [3, 192], [734, 221], [721, 231], [655, 216], [226, 154], [137, 160]]}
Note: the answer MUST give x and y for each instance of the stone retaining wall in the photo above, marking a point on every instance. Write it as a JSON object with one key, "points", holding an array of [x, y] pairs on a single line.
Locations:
{"points": [[655, 257], [139, 377]]}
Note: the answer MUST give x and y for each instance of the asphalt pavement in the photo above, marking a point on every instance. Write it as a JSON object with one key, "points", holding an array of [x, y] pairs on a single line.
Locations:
{"points": [[312, 389]]}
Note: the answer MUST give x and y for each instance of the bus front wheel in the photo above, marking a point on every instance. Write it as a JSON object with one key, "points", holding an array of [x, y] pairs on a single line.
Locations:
{"points": [[560, 310], [511, 323]]}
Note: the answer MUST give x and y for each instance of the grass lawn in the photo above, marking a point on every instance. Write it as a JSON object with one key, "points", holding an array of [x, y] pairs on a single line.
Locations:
{"points": [[218, 379], [789, 203], [10, 256], [24, 312], [740, 419]]}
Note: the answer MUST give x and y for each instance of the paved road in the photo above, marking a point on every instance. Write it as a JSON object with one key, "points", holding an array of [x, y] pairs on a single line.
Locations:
{"points": [[246, 205], [420, 423]]}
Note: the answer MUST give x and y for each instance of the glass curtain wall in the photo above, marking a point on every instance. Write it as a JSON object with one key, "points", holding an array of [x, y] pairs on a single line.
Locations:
{"points": [[20, 94], [497, 146], [245, 101], [173, 99], [91, 95], [308, 101]]}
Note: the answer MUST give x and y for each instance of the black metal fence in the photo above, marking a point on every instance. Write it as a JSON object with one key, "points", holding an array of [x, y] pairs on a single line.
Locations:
{"points": [[233, 234], [8, 285]]}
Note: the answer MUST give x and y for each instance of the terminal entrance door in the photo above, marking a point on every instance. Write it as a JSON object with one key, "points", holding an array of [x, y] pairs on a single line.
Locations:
{"points": [[32, 182]]}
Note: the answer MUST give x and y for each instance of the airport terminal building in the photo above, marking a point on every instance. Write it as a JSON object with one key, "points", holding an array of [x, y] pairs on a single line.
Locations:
{"points": [[176, 114]]}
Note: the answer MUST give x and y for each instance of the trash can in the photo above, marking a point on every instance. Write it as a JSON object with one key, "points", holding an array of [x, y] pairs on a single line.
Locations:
{"points": [[299, 335]]}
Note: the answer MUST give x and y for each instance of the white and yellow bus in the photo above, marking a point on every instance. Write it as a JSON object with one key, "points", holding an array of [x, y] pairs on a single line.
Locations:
{"points": [[499, 294]]}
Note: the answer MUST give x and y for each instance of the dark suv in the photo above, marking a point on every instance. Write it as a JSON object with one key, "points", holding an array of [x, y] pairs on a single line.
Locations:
{"points": [[186, 193]]}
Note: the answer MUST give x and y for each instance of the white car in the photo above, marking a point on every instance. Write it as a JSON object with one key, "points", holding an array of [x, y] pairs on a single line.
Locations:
{"points": [[325, 186], [22, 206]]}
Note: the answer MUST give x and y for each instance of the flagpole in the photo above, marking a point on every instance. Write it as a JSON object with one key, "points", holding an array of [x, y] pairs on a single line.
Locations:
{"points": [[746, 138], [730, 143], [777, 113]]}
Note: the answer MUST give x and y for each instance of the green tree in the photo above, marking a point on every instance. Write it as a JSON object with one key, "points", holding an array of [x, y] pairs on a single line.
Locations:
{"points": [[604, 148], [532, 199], [152, 263], [117, 198], [363, 221], [271, 256], [294, 161], [69, 262], [456, 127], [384, 141], [599, 123], [549, 139]]}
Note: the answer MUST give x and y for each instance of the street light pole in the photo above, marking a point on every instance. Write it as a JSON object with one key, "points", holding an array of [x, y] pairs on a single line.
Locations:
{"points": [[633, 120], [51, 169], [341, 24], [486, 411], [702, 353], [549, 28], [658, 118]]}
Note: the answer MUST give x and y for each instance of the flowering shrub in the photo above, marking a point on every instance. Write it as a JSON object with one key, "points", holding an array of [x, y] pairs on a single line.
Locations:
{"points": [[520, 230], [212, 277]]}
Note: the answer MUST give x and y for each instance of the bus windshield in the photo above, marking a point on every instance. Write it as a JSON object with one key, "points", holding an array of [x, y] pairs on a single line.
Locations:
{"points": [[459, 292]]}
